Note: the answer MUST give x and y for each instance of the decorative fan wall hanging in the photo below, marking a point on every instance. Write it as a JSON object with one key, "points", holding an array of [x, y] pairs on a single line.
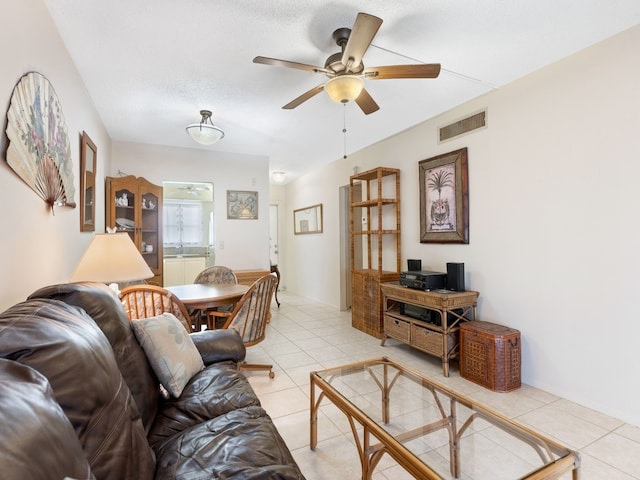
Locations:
{"points": [[39, 150]]}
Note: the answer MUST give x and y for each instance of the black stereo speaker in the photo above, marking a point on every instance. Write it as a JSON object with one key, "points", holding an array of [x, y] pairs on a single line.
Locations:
{"points": [[455, 277], [414, 265]]}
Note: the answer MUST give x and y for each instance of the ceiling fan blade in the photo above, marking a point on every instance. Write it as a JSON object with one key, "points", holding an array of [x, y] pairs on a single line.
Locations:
{"points": [[304, 97], [362, 33], [431, 70], [288, 64], [366, 102]]}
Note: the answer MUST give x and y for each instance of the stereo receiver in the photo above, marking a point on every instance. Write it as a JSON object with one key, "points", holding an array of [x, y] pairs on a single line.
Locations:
{"points": [[423, 280]]}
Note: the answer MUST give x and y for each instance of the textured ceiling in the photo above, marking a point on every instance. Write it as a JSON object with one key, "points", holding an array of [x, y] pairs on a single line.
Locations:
{"points": [[151, 65]]}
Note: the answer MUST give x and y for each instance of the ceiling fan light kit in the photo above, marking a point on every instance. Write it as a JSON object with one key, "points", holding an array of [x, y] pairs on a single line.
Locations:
{"points": [[344, 88], [205, 132]]}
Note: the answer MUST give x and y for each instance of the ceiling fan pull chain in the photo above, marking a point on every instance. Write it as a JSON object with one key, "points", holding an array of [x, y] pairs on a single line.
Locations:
{"points": [[344, 128]]}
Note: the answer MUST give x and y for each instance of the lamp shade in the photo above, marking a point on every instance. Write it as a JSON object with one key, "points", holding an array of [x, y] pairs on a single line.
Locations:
{"points": [[205, 132], [344, 88], [111, 258]]}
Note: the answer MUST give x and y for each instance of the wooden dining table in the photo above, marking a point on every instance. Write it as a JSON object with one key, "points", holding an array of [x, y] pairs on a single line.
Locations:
{"points": [[201, 296]]}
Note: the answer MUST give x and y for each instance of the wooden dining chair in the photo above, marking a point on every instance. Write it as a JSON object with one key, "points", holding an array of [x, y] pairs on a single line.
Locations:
{"points": [[144, 301], [250, 317], [216, 274]]}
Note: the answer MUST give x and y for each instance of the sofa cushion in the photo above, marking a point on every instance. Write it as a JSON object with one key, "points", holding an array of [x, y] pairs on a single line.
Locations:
{"points": [[103, 305], [242, 445], [65, 345], [30, 416], [170, 351], [215, 391]]}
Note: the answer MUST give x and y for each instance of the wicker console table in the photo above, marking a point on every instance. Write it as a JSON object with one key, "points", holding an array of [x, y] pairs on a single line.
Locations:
{"points": [[439, 339]]}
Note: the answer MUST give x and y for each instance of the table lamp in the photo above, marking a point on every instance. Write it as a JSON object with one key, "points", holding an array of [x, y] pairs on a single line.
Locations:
{"points": [[111, 258]]}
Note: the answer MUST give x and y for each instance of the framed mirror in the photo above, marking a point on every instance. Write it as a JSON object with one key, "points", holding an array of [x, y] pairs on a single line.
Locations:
{"points": [[88, 160], [307, 220]]}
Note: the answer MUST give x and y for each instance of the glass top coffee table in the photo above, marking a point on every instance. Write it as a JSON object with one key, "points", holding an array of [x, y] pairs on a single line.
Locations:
{"points": [[430, 430]]}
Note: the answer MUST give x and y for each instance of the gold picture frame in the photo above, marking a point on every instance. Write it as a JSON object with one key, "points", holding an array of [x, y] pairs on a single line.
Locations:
{"points": [[444, 198], [307, 220], [88, 165]]}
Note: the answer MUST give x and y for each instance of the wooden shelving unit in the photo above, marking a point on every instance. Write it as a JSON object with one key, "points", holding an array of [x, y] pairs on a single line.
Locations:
{"points": [[375, 227], [140, 215]]}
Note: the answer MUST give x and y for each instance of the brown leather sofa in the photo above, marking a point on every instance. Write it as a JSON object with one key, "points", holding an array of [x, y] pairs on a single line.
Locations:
{"points": [[78, 399]]}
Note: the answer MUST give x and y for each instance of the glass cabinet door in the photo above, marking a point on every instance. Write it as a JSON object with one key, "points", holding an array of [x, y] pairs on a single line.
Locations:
{"points": [[134, 205], [125, 220], [150, 230]]}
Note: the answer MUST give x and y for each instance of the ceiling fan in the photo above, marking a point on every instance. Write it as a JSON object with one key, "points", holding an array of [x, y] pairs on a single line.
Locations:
{"points": [[193, 189], [346, 71]]}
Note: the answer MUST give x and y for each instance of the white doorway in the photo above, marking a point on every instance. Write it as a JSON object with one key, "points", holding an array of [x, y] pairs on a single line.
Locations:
{"points": [[274, 251], [188, 233]]}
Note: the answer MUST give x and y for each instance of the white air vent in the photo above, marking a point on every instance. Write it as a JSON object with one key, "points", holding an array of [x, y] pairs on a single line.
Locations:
{"points": [[466, 125]]}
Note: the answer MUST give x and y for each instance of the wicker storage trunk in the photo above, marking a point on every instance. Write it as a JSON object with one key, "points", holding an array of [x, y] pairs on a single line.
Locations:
{"points": [[490, 355]]}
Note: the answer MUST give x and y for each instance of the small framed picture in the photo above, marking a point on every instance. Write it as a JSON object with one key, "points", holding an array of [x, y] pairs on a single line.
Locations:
{"points": [[242, 205]]}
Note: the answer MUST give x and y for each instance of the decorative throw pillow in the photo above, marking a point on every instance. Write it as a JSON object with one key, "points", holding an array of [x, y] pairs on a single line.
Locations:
{"points": [[169, 349]]}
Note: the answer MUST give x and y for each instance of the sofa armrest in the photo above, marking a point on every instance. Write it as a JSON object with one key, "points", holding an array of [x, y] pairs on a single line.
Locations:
{"points": [[219, 345]]}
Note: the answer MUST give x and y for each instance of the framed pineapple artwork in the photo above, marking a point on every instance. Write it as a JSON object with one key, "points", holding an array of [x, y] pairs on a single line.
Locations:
{"points": [[444, 198]]}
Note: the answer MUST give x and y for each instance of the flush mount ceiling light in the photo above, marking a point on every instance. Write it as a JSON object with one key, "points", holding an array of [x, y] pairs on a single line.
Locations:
{"points": [[205, 132], [278, 177], [344, 88]]}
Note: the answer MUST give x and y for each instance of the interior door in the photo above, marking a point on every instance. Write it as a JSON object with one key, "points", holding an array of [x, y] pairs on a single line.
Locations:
{"points": [[273, 234]]}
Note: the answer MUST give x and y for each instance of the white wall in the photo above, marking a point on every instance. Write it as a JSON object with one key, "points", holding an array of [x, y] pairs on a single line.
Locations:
{"points": [[37, 247], [246, 242], [312, 262], [553, 220]]}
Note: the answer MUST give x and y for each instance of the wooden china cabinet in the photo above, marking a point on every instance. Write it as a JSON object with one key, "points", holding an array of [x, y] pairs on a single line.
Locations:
{"points": [[134, 205]]}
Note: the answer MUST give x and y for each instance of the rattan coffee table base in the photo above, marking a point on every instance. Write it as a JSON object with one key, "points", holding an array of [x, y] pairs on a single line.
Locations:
{"points": [[374, 439]]}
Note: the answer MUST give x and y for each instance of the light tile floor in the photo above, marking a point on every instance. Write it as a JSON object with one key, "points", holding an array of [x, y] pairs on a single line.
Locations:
{"points": [[304, 336]]}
